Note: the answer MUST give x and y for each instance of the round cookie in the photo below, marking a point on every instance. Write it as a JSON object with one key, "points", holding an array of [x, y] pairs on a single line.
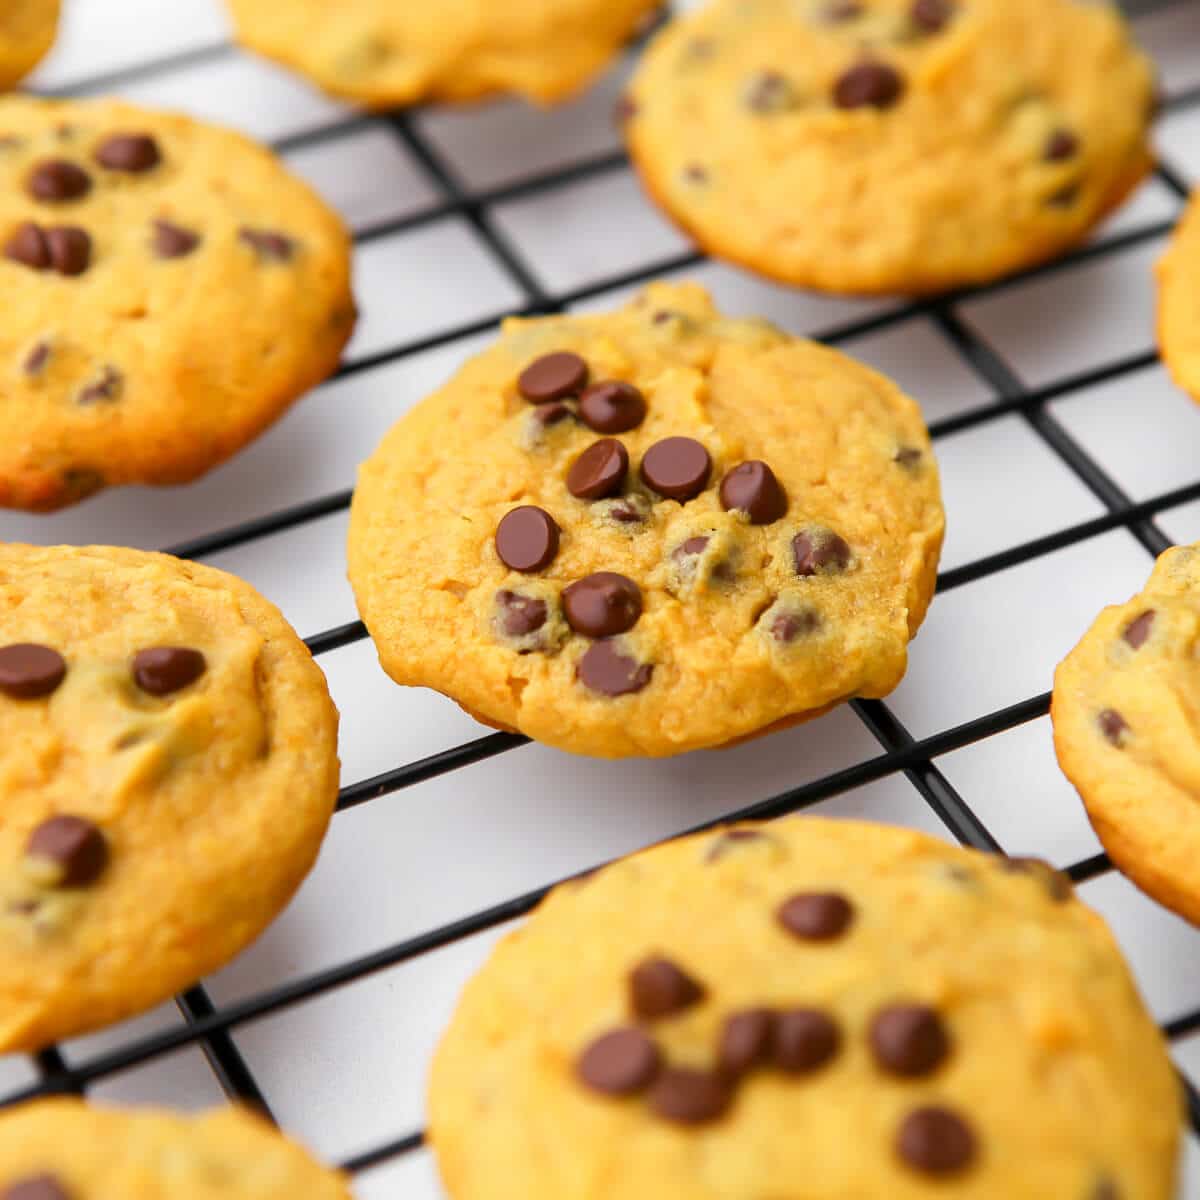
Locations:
{"points": [[1179, 302], [649, 531], [168, 759], [905, 146], [382, 54], [861, 1008], [64, 1149], [27, 29], [1124, 729], [171, 290]]}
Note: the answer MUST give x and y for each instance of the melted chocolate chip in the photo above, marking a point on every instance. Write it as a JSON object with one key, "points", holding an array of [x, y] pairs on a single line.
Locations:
{"points": [[55, 181], [620, 1063], [551, 413], [133, 152], [37, 358], [626, 513], [27, 245], [790, 627], [612, 407], [751, 487], [70, 249], [100, 391], [931, 15], [769, 92], [29, 671], [599, 471], [602, 605], [805, 1040], [527, 539], [36, 1187], [267, 244], [868, 85], [605, 670], [1057, 883], [936, 1141], [1113, 726], [816, 916], [689, 1097], [520, 615], [553, 377], [658, 988], [75, 845], [908, 1040], [1061, 145], [173, 241], [161, 670], [1138, 630], [746, 1041], [676, 467], [819, 551]]}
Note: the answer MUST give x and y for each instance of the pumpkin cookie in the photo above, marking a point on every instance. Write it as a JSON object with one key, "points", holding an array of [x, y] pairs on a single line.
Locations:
{"points": [[1179, 302], [27, 29]]}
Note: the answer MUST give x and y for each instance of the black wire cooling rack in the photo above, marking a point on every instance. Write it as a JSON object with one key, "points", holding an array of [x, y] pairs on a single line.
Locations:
{"points": [[208, 1026]]}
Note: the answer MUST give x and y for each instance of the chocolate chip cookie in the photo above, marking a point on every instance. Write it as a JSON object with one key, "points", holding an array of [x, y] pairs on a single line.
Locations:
{"points": [[168, 761], [806, 1008], [67, 1150], [891, 145], [171, 290], [27, 29], [1179, 302], [383, 54], [649, 531]]}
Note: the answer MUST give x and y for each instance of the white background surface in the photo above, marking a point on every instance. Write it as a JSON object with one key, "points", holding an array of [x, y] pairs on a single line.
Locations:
{"points": [[345, 1071]]}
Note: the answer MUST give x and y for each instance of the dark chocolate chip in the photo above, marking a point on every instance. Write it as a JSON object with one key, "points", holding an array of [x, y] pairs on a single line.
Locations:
{"points": [[527, 539], [56, 181], [658, 988], [746, 1041], [612, 407], [931, 15], [161, 670], [1113, 726], [768, 92], [606, 670], [36, 1187], [816, 916], [101, 391], [751, 487], [819, 551], [805, 1040], [626, 513], [1061, 145], [134, 152], [599, 471], [792, 626], [689, 1097], [676, 467], [553, 377], [602, 605], [729, 838], [935, 1141], [908, 1040], [70, 249], [868, 85], [520, 615], [173, 241], [1057, 883], [908, 457], [692, 548], [1105, 1189], [620, 1063], [1138, 630], [275, 247], [551, 413], [75, 845], [1064, 197], [839, 11], [28, 246], [695, 173], [37, 358], [28, 671]]}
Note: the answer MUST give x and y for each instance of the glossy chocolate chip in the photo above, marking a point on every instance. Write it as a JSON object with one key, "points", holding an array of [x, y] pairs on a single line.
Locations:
{"points": [[267, 244], [676, 467], [73, 844], [520, 615], [805, 1040], [689, 1097], [1113, 726], [553, 377], [36, 1187], [1057, 883], [602, 605], [100, 391], [1061, 145], [612, 407], [1138, 630], [768, 92], [868, 85], [790, 627], [29, 671], [659, 988], [551, 413], [604, 669], [70, 249], [620, 1063], [936, 1141], [908, 1040], [746, 1041], [599, 471], [751, 487], [27, 245], [56, 181], [173, 241], [931, 15], [527, 539], [161, 670], [819, 551], [816, 916], [133, 152]]}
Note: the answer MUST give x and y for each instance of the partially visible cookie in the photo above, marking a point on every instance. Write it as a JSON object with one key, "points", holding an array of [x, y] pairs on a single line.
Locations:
{"points": [[383, 54], [1125, 710], [168, 763], [1179, 302], [806, 1008], [27, 29], [65, 1149], [170, 289], [891, 145]]}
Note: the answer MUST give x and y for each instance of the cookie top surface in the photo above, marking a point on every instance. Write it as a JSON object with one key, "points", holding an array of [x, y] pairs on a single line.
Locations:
{"points": [[891, 145], [1125, 731], [1179, 302], [382, 54], [171, 289], [72, 1151], [863, 1008], [27, 29], [649, 531], [169, 765]]}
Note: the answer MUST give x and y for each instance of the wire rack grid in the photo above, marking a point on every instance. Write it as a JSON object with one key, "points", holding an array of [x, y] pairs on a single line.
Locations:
{"points": [[1059, 437]]}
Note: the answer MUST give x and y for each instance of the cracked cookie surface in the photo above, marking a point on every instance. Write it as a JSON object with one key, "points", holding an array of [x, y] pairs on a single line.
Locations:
{"points": [[168, 762], [891, 145], [27, 29], [807, 1008], [172, 289], [1179, 302]]}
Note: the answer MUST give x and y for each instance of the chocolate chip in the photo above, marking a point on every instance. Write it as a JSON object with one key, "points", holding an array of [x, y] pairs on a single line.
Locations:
{"points": [[29, 671], [768, 92], [805, 1040], [746, 1041], [931, 15], [729, 838], [70, 249], [173, 241], [56, 181], [606, 670], [602, 605], [599, 471], [908, 1040], [935, 1141], [868, 85], [612, 407], [909, 457], [816, 916], [75, 845], [689, 1097], [1105, 1189], [1064, 197], [28, 246], [620, 1063], [1057, 883], [792, 626], [658, 988], [520, 615], [527, 539], [839, 11], [161, 670], [1138, 630], [626, 513], [676, 467], [100, 391], [37, 358], [553, 377], [751, 487], [692, 548], [551, 413], [695, 173], [1113, 726], [276, 247], [1061, 145], [135, 152], [819, 551], [37, 1187]]}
